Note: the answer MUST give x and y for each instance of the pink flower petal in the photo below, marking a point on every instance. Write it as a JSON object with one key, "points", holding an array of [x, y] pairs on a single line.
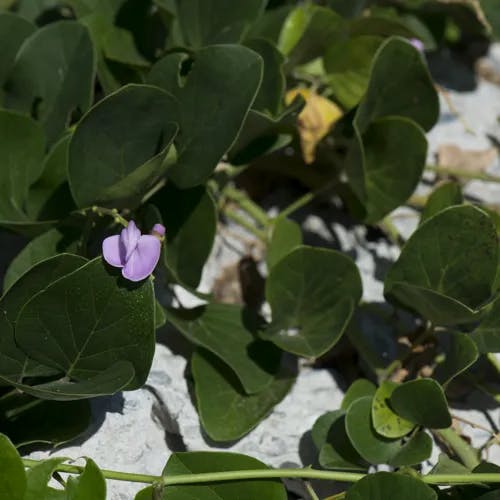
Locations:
{"points": [[112, 251], [144, 258], [129, 238]]}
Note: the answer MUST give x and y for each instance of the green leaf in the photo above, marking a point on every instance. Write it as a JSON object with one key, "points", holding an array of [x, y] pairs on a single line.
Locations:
{"points": [[49, 197], [286, 236], [205, 22], [27, 420], [40, 248], [112, 162], [445, 465], [385, 485], [91, 320], [487, 334], [358, 389], [270, 95], [190, 219], [377, 449], [12, 475], [294, 27], [385, 421], [208, 461], [381, 26], [211, 116], [14, 364], [324, 27], [319, 431], [409, 93], [160, 317], [348, 64], [460, 352], [38, 477], [90, 485], [444, 196], [22, 145], [311, 313], [226, 412], [347, 9], [423, 402], [34, 84], [447, 267], [13, 31], [229, 332], [337, 452], [376, 159]]}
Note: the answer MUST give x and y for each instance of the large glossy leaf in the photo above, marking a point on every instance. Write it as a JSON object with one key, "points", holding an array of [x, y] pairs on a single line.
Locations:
{"points": [[119, 148], [190, 219], [377, 449], [12, 475], [444, 196], [15, 365], [487, 334], [385, 164], [13, 31], [226, 411], [215, 91], [205, 22], [90, 485], [385, 485], [27, 420], [53, 75], [447, 267], [90, 320], [40, 248], [312, 293], [348, 64], [286, 236], [22, 145], [423, 402], [229, 331], [385, 421], [408, 93], [460, 352], [208, 461]]}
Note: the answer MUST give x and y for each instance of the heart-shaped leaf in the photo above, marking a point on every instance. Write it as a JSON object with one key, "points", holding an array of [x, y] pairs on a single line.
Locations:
{"points": [[385, 421], [310, 313], [203, 140], [377, 449], [422, 402], [447, 267], [226, 412], [208, 461], [91, 320], [34, 84], [409, 93], [385, 485], [229, 331], [376, 160], [112, 162]]}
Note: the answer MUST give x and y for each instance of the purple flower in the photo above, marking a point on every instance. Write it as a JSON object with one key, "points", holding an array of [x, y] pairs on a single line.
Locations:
{"points": [[137, 254]]}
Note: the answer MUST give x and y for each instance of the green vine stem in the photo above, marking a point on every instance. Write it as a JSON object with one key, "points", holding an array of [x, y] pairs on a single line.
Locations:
{"points": [[247, 205], [240, 220], [463, 450], [307, 473]]}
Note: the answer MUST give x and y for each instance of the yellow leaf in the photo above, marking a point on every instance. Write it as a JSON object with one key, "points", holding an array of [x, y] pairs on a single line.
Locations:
{"points": [[315, 120]]}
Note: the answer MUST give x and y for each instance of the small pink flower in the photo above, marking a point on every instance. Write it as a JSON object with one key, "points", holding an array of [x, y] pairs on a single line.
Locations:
{"points": [[137, 254], [418, 44]]}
